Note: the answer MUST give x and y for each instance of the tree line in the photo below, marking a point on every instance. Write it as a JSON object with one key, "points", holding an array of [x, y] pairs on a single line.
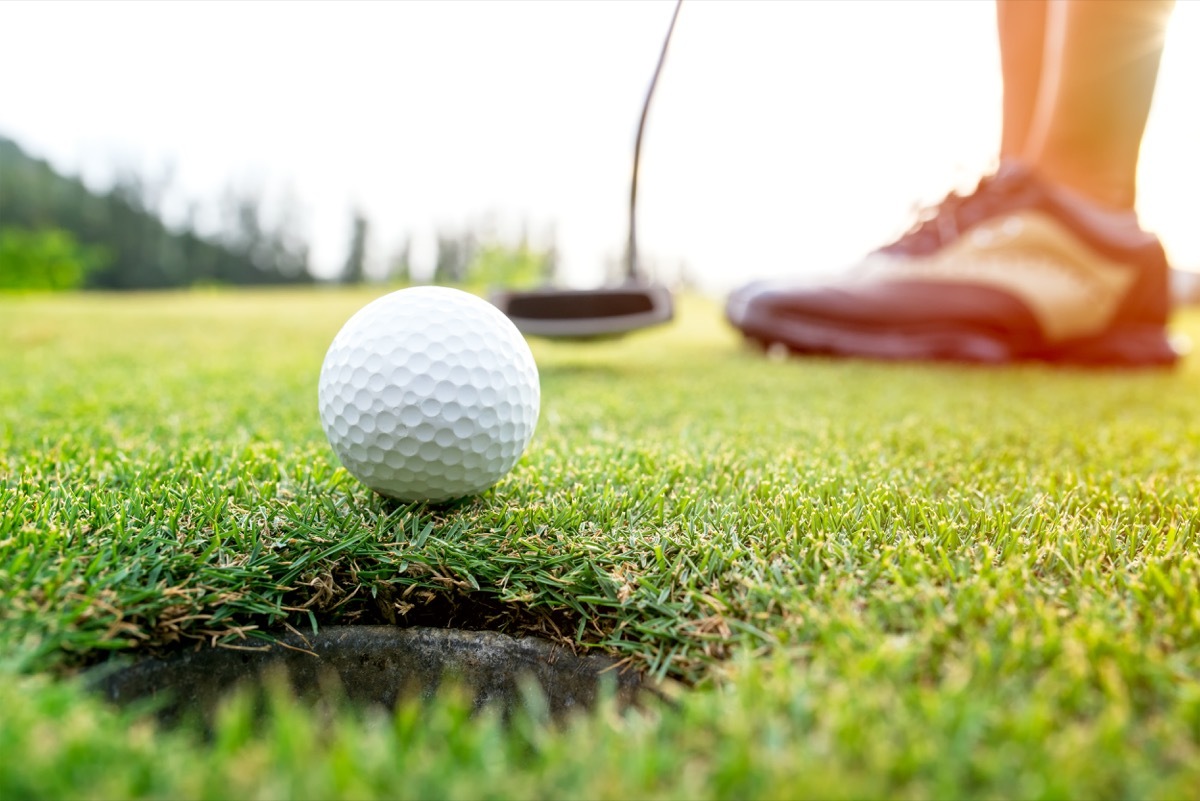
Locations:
{"points": [[118, 239], [56, 233]]}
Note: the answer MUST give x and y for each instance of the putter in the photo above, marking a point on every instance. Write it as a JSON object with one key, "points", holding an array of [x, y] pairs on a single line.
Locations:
{"points": [[634, 304]]}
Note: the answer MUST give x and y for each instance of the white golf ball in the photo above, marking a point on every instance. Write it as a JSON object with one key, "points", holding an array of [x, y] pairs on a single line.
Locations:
{"points": [[429, 394]]}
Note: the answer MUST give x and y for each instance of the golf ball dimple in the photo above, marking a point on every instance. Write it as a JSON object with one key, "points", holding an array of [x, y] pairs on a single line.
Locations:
{"points": [[429, 394]]}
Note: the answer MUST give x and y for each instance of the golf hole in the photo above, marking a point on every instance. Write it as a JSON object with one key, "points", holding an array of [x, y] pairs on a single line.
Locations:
{"points": [[377, 666]]}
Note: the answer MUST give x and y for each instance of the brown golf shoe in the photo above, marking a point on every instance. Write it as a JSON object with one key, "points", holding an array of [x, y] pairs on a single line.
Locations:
{"points": [[1011, 272]]}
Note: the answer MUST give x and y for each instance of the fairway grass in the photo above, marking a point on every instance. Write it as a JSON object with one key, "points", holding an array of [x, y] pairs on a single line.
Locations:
{"points": [[862, 579]]}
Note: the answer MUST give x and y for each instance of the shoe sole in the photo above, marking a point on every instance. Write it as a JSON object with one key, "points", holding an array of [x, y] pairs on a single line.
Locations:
{"points": [[1135, 346]]}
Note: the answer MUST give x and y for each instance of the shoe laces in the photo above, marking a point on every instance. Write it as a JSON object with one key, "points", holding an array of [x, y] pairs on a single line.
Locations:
{"points": [[943, 222]]}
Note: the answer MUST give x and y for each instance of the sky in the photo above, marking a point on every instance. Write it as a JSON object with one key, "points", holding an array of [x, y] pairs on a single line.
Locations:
{"points": [[784, 138]]}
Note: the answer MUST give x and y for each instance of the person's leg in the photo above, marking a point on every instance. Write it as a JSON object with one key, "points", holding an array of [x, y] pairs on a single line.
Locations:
{"points": [[1021, 29], [1021, 26], [1098, 75], [1045, 259]]}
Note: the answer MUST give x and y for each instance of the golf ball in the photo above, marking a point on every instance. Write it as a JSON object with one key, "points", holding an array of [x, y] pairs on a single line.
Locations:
{"points": [[429, 394]]}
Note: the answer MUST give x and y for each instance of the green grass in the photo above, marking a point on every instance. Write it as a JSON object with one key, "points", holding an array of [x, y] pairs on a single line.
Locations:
{"points": [[876, 580]]}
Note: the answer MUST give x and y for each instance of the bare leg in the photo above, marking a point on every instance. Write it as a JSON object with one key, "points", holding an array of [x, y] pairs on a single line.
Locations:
{"points": [[1099, 68], [1055, 269], [1021, 25]]}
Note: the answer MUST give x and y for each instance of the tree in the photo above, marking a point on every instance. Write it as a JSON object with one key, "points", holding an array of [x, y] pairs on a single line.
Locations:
{"points": [[47, 259], [355, 268], [125, 222], [400, 267], [454, 255], [496, 265]]}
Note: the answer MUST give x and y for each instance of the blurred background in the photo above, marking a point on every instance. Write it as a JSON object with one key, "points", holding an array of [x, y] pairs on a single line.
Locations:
{"points": [[184, 143]]}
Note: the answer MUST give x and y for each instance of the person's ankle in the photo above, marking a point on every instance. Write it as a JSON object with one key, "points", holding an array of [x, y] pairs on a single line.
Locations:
{"points": [[1103, 205], [1088, 207], [1102, 193]]}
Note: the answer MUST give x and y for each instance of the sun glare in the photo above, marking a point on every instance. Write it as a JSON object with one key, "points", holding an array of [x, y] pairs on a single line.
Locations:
{"points": [[1169, 173]]}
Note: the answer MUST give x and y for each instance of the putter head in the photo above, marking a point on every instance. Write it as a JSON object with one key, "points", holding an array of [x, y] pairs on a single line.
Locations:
{"points": [[609, 311], [586, 313]]}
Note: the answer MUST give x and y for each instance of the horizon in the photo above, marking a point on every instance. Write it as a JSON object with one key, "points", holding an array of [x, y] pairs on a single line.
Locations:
{"points": [[443, 115]]}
